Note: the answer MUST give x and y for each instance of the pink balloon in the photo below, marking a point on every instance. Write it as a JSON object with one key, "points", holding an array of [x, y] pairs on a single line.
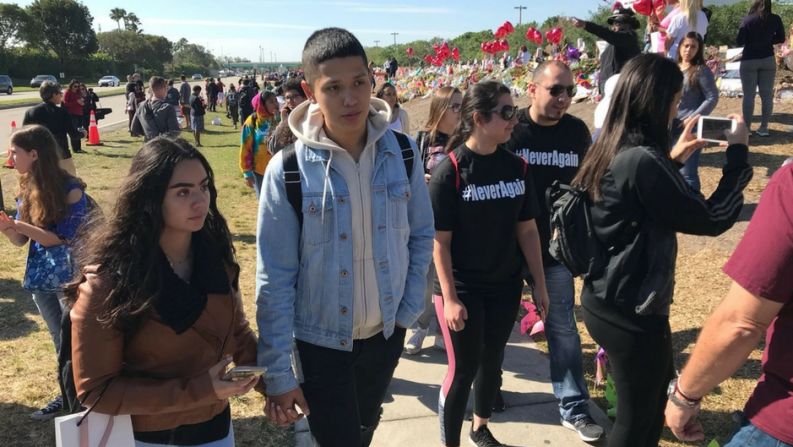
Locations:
{"points": [[409, 51]]}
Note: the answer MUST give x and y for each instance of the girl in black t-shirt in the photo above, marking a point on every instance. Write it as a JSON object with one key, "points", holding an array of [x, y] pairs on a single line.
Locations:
{"points": [[484, 207]]}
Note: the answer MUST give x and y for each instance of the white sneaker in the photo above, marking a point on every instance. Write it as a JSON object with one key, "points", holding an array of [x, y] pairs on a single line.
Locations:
{"points": [[413, 346], [439, 344]]}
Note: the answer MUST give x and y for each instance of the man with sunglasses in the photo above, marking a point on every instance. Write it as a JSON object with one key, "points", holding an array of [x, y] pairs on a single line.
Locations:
{"points": [[554, 143]]}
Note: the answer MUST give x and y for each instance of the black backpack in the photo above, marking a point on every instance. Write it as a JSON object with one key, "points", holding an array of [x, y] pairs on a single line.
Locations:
{"points": [[245, 98], [294, 192], [573, 240]]}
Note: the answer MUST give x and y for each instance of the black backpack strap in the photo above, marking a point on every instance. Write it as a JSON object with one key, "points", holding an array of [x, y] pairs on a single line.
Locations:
{"points": [[407, 151], [294, 192]]}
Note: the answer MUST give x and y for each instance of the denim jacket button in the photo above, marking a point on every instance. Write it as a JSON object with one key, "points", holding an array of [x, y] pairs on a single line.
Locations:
{"points": [[343, 310], [381, 227], [343, 342], [341, 200], [343, 236], [344, 273]]}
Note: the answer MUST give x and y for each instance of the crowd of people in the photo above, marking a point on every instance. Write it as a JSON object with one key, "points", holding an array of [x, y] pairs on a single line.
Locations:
{"points": [[379, 234]]}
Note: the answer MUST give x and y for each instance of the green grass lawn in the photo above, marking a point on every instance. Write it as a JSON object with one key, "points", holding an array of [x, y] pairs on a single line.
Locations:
{"points": [[27, 358]]}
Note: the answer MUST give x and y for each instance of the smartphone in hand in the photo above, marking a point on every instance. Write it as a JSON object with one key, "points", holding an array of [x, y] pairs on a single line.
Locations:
{"points": [[239, 373]]}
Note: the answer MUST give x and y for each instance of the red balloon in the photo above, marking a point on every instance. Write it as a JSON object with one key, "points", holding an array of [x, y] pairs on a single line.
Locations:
{"points": [[534, 35], [643, 7], [445, 52], [456, 54], [428, 59], [554, 35], [500, 32], [436, 48], [409, 51], [504, 45], [508, 27]]}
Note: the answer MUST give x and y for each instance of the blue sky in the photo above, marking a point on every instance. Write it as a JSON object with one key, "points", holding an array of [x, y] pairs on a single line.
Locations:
{"points": [[239, 27]]}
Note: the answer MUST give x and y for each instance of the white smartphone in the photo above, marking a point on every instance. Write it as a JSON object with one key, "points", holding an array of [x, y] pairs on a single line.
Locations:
{"points": [[713, 129]]}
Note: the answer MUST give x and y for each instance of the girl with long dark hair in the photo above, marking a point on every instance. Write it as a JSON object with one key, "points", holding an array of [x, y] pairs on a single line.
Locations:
{"points": [[700, 94], [157, 314], [760, 30], [484, 204], [640, 202], [51, 207]]}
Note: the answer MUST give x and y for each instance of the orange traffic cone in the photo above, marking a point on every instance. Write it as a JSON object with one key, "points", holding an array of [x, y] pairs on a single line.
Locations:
{"points": [[93, 131], [10, 160]]}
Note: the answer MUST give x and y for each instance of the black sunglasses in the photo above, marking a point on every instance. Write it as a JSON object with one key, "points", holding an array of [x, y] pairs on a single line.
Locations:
{"points": [[506, 112], [556, 90]]}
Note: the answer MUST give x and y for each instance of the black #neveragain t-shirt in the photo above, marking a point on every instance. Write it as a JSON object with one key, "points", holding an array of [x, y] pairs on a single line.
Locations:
{"points": [[553, 153], [496, 192]]}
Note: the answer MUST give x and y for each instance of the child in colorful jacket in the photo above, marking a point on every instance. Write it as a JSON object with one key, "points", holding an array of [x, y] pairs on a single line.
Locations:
{"points": [[254, 155]]}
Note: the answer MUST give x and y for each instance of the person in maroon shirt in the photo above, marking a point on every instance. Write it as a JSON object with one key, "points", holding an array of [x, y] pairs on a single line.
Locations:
{"points": [[759, 301], [73, 102]]}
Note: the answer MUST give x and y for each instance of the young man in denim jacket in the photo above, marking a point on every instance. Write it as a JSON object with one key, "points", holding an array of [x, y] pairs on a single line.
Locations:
{"points": [[348, 282]]}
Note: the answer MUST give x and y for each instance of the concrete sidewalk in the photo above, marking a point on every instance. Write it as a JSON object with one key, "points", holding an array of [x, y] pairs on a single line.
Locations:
{"points": [[532, 417]]}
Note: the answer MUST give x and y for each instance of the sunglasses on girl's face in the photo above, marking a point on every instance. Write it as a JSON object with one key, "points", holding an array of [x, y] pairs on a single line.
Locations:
{"points": [[556, 90], [506, 112]]}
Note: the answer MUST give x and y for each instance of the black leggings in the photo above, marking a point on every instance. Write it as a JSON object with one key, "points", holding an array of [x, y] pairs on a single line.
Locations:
{"points": [[640, 360], [475, 356]]}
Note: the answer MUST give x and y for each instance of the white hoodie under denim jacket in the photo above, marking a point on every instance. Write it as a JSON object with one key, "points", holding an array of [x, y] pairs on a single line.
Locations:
{"points": [[359, 265]]}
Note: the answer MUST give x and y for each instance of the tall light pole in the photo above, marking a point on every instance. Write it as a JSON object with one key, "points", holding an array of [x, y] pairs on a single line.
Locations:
{"points": [[394, 34], [520, 14], [377, 43]]}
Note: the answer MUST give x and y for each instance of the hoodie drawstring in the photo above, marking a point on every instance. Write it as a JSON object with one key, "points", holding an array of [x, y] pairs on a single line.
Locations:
{"points": [[325, 188]]}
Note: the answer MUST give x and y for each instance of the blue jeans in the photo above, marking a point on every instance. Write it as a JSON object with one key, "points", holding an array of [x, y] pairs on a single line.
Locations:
{"points": [[748, 435], [690, 170], [51, 308], [564, 345]]}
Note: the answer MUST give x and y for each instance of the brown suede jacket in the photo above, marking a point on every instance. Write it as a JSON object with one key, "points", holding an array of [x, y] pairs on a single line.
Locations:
{"points": [[159, 377]]}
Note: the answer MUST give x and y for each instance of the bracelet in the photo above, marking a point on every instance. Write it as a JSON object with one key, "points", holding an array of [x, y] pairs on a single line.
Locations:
{"points": [[679, 391]]}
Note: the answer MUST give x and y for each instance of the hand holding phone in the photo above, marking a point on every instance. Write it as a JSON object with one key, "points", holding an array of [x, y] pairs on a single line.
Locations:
{"points": [[715, 129], [239, 373], [741, 133]]}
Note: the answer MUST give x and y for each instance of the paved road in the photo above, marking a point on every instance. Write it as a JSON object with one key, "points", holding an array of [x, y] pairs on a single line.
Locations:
{"points": [[35, 94], [117, 103]]}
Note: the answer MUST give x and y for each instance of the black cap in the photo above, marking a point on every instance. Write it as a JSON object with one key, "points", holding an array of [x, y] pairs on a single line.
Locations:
{"points": [[624, 15]]}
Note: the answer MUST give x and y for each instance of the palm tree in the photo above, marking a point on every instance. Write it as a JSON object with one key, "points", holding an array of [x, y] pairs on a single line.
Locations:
{"points": [[131, 22], [117, 15]]}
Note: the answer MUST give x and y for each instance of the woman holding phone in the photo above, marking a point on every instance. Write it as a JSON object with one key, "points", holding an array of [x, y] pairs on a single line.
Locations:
{"points": [[640, 203], [700, 94], [157, 315], [400, 120], [484, 205]]}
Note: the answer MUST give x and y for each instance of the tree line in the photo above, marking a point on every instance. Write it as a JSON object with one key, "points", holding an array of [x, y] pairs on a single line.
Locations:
{"points": [[57, 36]]}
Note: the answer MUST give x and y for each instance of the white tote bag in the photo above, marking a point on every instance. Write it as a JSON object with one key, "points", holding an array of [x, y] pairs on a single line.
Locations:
{"points": [[94, 430]]}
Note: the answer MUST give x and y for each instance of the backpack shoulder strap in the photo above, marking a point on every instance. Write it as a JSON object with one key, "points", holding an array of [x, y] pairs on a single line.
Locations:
{"points": [[407, 151], [453, 159], [294, 192]]}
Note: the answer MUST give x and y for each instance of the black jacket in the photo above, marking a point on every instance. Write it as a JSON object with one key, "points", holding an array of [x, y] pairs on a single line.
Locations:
{"points": [[645, 202], [57, 120], [623, 46]]}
